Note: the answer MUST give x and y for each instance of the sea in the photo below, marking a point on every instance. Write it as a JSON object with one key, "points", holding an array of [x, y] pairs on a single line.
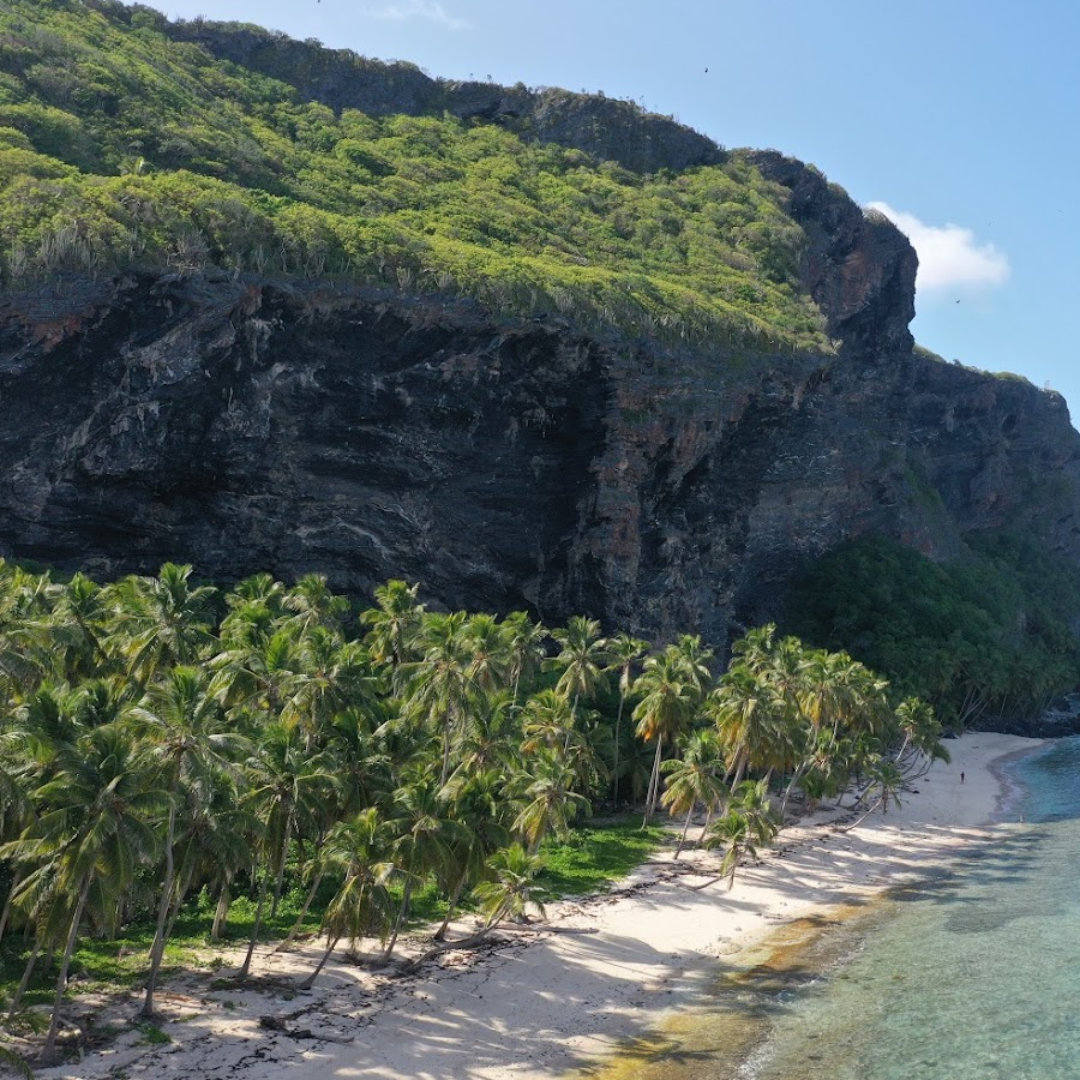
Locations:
{"points": [[970, 974]]}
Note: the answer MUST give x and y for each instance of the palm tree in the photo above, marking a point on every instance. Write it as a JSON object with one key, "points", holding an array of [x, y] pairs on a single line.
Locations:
{"points": [[94, 829], [315, 606], [184, 727], [625, 652], [394, 622], [161, 621], [669, 701], [514, 887], [749, 822], [487, 642], [752, 724], [288, 789], [582, 660], [437, 685], [425, 834], [694, 778], [525, 648], [361, 906], [549, 801]]}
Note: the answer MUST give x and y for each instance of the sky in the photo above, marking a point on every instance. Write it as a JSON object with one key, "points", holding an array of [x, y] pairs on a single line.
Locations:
{"points": [[957, 118]]}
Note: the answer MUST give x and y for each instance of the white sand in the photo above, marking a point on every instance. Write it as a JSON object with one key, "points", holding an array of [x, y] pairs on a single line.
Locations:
{"points": [[540, 1004]]}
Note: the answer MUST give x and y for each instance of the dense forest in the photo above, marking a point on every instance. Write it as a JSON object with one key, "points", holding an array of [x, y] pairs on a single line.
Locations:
{"points": [[120, 148], [172, 753], [987, 636]]}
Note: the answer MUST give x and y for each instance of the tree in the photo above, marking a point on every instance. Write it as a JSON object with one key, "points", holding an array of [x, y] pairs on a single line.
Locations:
{"points": [[750, 822], [437, 685], [669, 700], [513, 889], [357, 849], [582, 660], [425, 834], [625, 652], [93, 830], [694, 778], [394, 622], [184, 728], [161, 621], [549, 801]]}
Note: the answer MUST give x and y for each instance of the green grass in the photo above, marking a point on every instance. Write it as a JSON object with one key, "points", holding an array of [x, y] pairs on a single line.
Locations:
{"points": [[596, 856]]}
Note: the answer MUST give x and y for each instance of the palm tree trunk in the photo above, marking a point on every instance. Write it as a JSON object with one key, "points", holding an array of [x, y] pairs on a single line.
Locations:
{"points": [[445, 774], [243, 973], [654, 783], [406, 899], [48, 1051], [686, 829], [440, 934], [5, 915], [708, 821], [24, 982], [157, 949], [308, 900], [178, 902], [221, 912], [310, 980], [618, 731], [279, 881]]}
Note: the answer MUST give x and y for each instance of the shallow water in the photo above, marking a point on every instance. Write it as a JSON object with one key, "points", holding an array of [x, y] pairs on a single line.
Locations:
{"points": [[973, 975]]}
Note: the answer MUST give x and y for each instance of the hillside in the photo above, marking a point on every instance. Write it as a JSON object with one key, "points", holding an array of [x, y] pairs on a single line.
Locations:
{"points": [[269, 306]]}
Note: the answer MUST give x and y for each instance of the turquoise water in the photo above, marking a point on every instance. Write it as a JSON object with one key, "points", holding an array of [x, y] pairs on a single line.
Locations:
{"points": [[972, 975]]}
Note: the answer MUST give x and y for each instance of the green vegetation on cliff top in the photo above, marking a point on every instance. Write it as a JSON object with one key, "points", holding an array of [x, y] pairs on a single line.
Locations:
{"points": [[122, 148]]}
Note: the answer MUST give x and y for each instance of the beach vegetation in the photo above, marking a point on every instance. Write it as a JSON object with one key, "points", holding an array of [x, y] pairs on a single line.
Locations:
{"points": [[184, 765]]}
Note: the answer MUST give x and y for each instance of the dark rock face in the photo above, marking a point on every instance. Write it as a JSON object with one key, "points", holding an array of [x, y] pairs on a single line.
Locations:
{"points": [[248, 425]]}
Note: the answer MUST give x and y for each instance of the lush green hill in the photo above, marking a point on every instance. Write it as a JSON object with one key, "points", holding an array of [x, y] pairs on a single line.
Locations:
{"points": [[122, 147]]}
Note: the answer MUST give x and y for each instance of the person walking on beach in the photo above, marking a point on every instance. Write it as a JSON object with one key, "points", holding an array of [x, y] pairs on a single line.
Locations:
{"points": [[961, 777]]}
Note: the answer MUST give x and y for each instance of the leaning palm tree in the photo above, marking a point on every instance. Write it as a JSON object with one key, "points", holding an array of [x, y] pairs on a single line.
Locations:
{"points": [[358, 849], [95, 827], [425, 836], [694, 777], [513, 889], [183, 727], [750, 822]]}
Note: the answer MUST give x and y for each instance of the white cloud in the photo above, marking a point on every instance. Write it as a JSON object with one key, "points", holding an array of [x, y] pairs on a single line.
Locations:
{"points": [[407, 10], [949, 255]]}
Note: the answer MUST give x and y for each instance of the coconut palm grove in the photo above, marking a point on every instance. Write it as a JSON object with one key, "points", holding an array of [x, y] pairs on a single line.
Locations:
{"points": [[185, 766]]}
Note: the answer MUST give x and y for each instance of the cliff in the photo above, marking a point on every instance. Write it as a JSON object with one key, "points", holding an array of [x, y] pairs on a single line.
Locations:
{"points": [[251, 425]]}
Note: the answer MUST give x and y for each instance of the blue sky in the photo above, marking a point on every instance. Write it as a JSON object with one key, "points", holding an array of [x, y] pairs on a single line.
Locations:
{"points": [[959, 117]]}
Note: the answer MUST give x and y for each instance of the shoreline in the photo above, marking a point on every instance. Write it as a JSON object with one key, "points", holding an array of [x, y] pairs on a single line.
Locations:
{"points": [[603, 972]]}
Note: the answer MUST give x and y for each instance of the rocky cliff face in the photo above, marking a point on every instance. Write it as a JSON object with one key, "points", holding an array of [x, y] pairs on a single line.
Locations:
{"points": [[248, 425]]}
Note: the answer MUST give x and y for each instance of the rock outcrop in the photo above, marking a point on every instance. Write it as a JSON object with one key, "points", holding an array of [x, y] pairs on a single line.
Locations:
{"points": [[248, 425]]}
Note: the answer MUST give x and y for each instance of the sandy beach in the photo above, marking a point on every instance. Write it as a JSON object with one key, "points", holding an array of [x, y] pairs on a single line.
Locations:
{"points": [[601, 971]]}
